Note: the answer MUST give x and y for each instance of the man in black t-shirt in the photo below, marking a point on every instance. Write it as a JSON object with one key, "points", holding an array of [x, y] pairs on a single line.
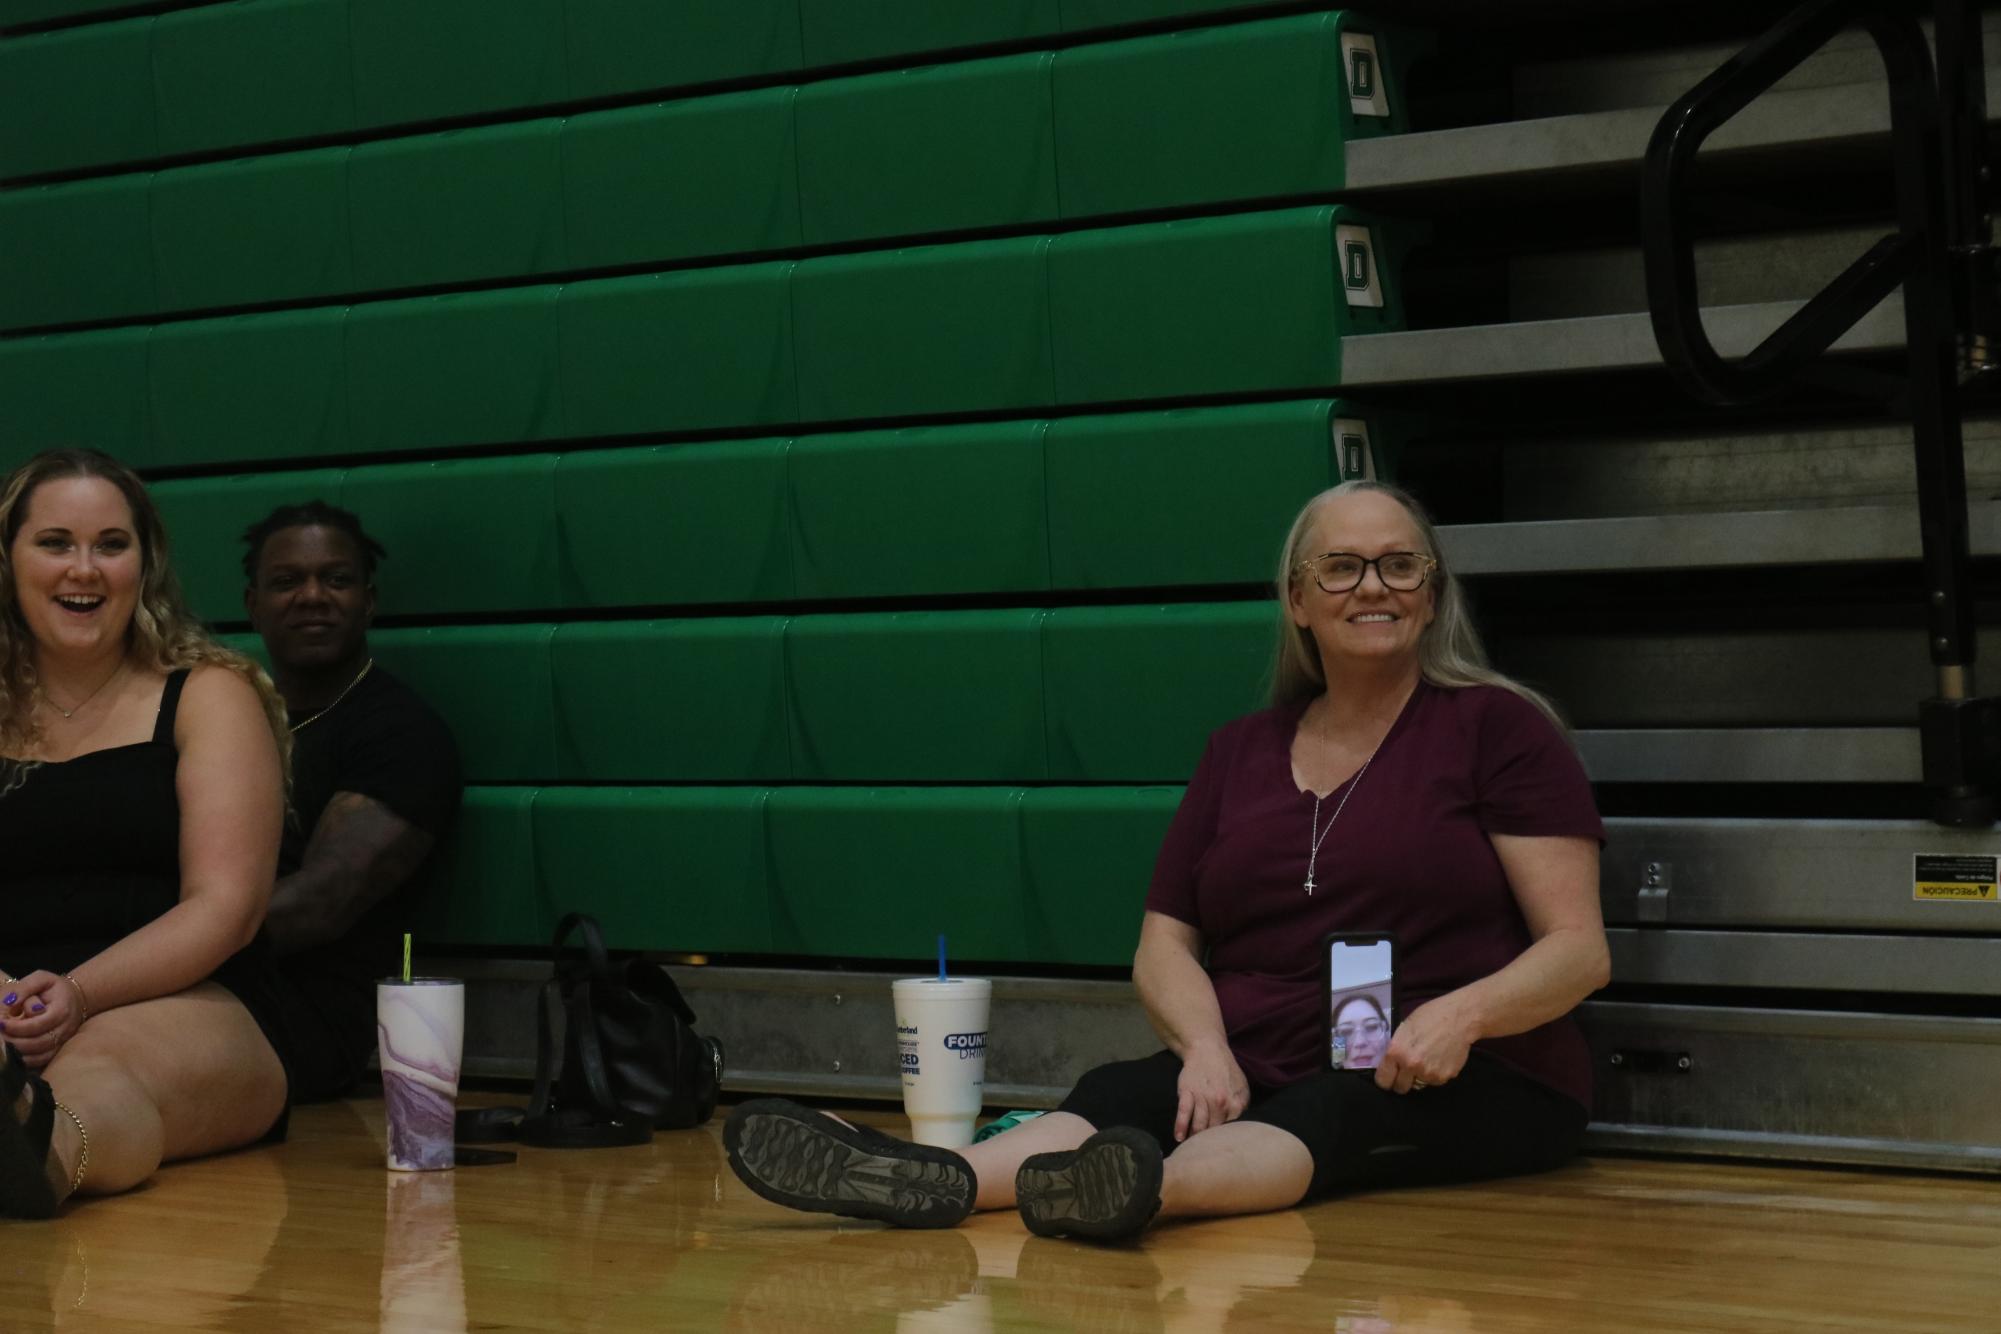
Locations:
{"points": [[375, 783]]}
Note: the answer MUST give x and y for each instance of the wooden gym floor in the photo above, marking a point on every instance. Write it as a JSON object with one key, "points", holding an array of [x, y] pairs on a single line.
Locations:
{"points": [[316, 1236]]}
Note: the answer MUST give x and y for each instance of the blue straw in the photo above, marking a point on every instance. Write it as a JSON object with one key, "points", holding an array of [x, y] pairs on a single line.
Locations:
{"points": [[941, 956]]}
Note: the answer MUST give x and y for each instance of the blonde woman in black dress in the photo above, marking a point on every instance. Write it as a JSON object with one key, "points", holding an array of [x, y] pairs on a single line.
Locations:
{"points": [[142, 793]]}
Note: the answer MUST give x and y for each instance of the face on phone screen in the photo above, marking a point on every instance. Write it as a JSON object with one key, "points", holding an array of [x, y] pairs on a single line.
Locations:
{"points": [[1358, 1003]]}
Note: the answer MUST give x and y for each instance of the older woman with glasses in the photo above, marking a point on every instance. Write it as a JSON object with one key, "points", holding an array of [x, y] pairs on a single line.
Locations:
{"points": [[1396, 785]]}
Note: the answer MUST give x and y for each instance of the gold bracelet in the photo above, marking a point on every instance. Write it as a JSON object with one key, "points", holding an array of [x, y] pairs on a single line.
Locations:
{"points": [[82, 997], [83, 1154]]}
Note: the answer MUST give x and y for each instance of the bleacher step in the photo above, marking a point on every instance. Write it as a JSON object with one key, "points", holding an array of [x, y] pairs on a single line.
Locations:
{"points": [[1751, 754], [1572, 346], [1859, 534]]}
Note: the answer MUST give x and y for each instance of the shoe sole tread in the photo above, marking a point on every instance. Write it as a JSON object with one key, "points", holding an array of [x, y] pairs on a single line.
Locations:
{"points": [[803, 1161], [1107, 1188]]}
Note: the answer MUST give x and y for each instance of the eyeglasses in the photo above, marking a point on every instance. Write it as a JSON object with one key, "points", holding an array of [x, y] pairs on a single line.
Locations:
{"points": [[1342, 571], [1368, 1028]]}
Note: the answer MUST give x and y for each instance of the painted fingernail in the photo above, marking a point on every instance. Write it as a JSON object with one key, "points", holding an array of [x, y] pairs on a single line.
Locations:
{"points": [[38, 1007], [10, 998]]}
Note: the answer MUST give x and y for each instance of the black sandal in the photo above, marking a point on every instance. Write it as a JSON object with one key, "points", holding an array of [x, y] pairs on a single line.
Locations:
{"points": [[25, 1188], [803, 1159], [1107, 1188]]}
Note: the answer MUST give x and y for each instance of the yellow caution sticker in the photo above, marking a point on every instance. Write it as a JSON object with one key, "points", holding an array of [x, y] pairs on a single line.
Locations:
{"points": [[1956, 878]]}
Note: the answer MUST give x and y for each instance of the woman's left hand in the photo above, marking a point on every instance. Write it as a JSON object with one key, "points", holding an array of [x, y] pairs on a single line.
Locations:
{"points": [[44, 1015], [1429, 1048]]}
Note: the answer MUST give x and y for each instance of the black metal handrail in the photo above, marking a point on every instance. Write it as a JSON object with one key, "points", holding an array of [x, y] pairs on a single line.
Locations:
{"points": [[1939, 255]]}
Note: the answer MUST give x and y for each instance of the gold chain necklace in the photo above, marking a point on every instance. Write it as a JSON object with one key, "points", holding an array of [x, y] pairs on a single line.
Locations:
{"points": [[71, 712], [299, 727]]}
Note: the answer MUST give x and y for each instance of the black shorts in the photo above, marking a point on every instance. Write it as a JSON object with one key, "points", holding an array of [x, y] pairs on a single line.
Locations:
{"points": [[1491, 1121]]}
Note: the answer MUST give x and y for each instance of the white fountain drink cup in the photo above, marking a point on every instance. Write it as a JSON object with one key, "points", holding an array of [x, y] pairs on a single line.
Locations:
{"points": [[941, 1040], [420, 1026]]}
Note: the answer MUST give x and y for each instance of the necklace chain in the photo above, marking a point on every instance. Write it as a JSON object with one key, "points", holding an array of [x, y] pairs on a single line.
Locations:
{"points": [[72, 711], [301, 726], [1318, 834]]}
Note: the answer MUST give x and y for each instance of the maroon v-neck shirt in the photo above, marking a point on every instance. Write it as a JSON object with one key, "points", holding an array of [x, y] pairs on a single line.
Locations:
{"points": [[1410, 855]]}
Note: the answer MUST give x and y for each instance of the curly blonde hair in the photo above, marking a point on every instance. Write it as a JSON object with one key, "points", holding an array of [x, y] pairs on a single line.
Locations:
{"points": [[164, 635], [1449, 654]]}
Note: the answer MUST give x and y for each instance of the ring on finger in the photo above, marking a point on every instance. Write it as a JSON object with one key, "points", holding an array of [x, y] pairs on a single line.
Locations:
{"points": [[1419, 1084]]}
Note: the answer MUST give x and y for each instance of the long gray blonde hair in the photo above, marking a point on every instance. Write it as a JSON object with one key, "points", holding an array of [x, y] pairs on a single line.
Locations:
{"points": [[163, 636], [1449, 653]]}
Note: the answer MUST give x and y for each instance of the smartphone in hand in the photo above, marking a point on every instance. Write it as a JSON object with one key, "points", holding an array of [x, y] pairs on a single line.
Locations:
{"points": [[1361, 988]]}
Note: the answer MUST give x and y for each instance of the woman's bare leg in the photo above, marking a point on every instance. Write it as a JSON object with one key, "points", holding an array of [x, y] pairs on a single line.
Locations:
{"points": [[1244, 1167], [996, 1160], [171, 1078]]}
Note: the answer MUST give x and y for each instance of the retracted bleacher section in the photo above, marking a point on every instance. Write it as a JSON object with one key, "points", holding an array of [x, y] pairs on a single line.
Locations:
{"points": [[829, 458]]}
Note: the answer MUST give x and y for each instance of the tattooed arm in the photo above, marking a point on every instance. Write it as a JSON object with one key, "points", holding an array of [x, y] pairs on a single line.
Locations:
{"points": [[359, 852]]}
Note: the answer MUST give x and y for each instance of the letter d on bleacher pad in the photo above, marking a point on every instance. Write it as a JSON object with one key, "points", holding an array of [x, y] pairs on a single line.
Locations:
{"points": [[1357, 460], [1361, 283], [1366, 95]]}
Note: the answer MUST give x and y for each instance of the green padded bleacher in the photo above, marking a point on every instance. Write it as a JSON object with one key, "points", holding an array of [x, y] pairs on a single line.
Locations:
{"points": [[938, 149], [263, 387], [1250, 302], [1131, 692], [1046, 875], [1087, 854], [675, 524], [626, 46], [21, 12], [679, 351], [464, 535], [231, 233], [680, 869], [671, 701], [489, 682], [76, 252], [1078, 694], [930, 150], [838, 32], [767, 664], [1089, 15], [950, 696], [677, 180], [930, 510], [80, 97], [216, 77], [1016, 507], [419, 62], [485, 888], [77, 389], [268, 69], [926, 329], [1125, 489], [1245, 111], [1149, 123], [205, 516], [879, 872], [465, 369], [454, 207]]}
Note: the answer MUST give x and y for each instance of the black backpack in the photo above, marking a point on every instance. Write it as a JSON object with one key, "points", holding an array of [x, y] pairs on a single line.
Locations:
{"points": [[632, 1061]]}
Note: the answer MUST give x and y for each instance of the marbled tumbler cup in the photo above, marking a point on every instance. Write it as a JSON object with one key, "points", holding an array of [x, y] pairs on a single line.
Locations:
{"points": [[420, 1025]]}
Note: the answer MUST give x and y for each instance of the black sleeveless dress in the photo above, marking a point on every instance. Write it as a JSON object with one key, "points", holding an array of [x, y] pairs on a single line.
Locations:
{"points": [[90, 851]]}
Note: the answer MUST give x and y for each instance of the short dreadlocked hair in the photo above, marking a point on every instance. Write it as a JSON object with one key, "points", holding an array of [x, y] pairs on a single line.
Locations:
{"points": [[311, 514]]}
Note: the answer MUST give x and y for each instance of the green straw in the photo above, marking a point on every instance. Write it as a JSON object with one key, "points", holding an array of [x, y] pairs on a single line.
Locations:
{"points": [[406, 956]]}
